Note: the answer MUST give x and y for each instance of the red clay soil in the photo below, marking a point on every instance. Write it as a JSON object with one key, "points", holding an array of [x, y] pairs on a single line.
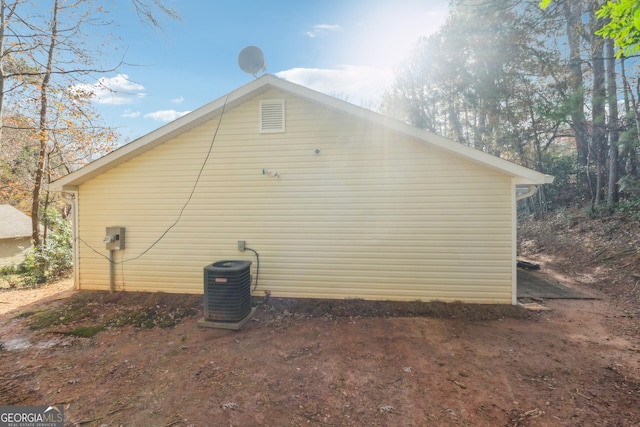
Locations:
{"points": [[293, 366], [344, 363]]}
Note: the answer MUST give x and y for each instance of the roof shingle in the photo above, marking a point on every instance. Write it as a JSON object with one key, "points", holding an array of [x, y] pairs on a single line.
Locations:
{"points": [[13, 223]]}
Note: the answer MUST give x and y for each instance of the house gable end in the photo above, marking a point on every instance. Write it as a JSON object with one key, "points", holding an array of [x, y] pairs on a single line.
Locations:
{"points": [[353, 209], [262, 85]]}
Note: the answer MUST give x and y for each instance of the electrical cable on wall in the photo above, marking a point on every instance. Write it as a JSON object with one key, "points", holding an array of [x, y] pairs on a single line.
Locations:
{"points": [[193, 189], [257, 266]]}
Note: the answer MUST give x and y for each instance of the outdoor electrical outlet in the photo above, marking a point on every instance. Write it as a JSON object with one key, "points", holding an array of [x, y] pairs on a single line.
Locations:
{"points": [[241, 244]]}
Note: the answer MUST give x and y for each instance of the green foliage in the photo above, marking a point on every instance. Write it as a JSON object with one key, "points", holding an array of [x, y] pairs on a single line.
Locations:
{"points": [[630, 190], [623, 25], [562, 191], [627, 207], [630, 208], [9, 270], [54, 257], [544, 4], [599, 211]]}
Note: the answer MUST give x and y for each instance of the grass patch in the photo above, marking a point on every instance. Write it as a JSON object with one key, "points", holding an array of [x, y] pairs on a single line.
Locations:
{"points": [[85, 331], [54, 318], [64, 314], [89, 312], [29, 313]]}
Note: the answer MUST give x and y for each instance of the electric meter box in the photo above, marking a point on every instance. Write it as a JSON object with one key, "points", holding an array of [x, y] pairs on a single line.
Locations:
{"points": [[115, 238]]}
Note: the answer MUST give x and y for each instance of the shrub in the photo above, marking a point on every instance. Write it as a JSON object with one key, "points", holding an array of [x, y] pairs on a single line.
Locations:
{"points": [[54, 257], [630, 191]]}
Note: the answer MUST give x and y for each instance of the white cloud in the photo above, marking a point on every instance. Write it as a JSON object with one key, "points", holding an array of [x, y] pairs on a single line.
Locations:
{"points": [[179, 100], [165, 116], [130, 114], [374, 40], [322, 29], [118, 90], [360, 85]]}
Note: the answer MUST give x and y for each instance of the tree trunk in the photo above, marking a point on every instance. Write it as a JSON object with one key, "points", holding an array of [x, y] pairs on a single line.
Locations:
{"points": [[3, 23], [613, 127], [43, 132], [598, 136], [573, 14], [634, 109]]}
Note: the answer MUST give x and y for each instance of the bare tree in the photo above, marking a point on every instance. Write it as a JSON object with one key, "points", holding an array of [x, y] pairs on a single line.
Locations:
{"points": [[43, 52], [43, 132]]}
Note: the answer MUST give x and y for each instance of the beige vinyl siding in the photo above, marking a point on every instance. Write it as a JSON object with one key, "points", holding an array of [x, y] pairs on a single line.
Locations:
{"points": [[375, 215]]}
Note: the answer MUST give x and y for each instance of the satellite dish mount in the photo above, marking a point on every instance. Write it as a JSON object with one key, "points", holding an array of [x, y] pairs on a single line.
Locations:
{"points": [[251, 60]]}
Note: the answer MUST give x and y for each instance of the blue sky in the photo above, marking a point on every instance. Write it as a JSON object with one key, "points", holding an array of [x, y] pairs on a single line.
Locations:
{"points": [[346, 48]]}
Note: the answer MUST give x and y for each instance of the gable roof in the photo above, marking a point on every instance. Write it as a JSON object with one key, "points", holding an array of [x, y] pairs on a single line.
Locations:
{"points": [[524, 176], [13, 223]]}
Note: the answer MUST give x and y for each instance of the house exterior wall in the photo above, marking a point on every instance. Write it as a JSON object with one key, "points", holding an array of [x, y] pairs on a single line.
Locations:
{"points": [[374, 215]]}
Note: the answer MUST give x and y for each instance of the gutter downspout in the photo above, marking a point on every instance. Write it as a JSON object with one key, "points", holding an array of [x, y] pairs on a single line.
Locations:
{"points": [[73, 196], [531, 190], [514, 245]]}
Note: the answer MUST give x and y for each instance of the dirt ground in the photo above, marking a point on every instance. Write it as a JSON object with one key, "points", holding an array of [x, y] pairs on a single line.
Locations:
{"points": [[329, 363]]}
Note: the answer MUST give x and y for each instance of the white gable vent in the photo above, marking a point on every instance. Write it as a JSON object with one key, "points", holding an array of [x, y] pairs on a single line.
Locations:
{"points": [[272, 115]]}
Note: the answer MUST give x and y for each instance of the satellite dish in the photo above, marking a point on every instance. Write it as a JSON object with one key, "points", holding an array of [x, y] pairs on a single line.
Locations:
{"points": [[251, 60]]}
